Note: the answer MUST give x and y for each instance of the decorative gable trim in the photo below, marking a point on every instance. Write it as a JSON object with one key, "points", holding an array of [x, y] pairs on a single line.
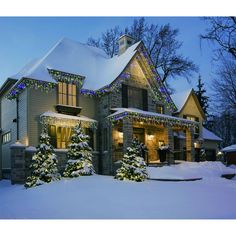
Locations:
{"points": [[157, 87], [66, 77]]}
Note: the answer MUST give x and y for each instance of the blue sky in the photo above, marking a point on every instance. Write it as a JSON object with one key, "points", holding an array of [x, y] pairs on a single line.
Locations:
{"points": [[26, 38]]}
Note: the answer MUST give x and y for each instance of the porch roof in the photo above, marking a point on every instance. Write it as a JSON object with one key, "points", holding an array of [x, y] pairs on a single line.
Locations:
{"points": [[152, 117], [50, 117]]}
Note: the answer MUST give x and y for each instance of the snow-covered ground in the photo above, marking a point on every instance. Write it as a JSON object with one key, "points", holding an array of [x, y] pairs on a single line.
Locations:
{"points": [[102, 197], [190, 170]]}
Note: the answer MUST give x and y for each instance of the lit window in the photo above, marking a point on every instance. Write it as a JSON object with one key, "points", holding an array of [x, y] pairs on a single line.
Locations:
{"points": [[67, 94], [60, 136], [160, 109], [6, 137]]}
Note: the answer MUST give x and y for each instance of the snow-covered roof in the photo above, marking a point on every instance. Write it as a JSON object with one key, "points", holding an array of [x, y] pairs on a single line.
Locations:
{"points": [[63, 116], [147, 113], [208, 135], [180, 98], [231, 148], [76, 58]]}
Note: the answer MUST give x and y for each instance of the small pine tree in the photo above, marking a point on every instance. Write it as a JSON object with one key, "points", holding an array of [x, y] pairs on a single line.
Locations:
{"points": [[133, 167], [44, 164], [202, 98], [79, 155]]}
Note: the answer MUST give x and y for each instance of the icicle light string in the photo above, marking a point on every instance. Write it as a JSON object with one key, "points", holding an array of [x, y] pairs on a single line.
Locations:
{"points": [[154, 120]]}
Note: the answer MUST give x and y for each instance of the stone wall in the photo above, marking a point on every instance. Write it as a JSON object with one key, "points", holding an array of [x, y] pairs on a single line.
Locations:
{"points": [[21, 158], [18, 164]]}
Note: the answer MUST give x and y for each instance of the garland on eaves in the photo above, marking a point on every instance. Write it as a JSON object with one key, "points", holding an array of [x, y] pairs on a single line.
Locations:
{"points": [[153, 120], [115, 86], [65, 122], [159, 91], [30, 83], [61, 76]]}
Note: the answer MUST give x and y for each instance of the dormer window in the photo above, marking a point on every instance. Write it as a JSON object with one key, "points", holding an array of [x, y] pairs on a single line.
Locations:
{"points": [[67, 94]]}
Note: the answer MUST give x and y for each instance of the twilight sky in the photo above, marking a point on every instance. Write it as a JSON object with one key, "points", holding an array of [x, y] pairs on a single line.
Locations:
{"points": [[26, 38]]}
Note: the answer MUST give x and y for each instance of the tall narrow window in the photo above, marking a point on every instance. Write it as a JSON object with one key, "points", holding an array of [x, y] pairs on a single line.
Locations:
{"points": [[67, 94]]}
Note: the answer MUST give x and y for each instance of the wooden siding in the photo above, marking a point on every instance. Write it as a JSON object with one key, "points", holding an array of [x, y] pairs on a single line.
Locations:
{"points": [[8, 114], [38, 103]]}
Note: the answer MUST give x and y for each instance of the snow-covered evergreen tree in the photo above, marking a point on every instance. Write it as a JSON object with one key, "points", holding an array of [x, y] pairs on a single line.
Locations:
{"points": [[133, 167], [44, 163], [79, 155]]}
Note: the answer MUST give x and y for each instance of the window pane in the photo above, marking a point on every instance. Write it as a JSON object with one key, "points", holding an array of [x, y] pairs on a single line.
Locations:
{"points": [[74, 89], [64, 100], [160, 109], [69, 89], [74, 101], [60, 98], [59, 87], [6, 137], [70, 101], [64, 88]]}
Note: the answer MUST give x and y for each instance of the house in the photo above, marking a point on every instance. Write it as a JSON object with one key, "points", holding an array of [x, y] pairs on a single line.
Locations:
{"points": [[230, 154], [114, 99], [188, 107]]}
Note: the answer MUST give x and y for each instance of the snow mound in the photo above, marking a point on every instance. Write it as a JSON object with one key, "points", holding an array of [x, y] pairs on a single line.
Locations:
{"points": [[190, 170]]}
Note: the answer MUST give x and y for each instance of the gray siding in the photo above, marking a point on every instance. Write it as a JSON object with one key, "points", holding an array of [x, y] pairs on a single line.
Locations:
{"points": [[23, 118], [38, 103], [89, 106], [8, 113]]}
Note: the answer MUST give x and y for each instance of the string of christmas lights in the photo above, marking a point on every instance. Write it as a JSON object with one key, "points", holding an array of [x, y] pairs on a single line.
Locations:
{"points": [[61, 76], [66, 122], [160, 91], [30, 83], [153, 120]]}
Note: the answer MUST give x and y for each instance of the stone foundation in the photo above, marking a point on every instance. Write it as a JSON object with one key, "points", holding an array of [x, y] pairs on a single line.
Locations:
{"points": [[21, 158]]}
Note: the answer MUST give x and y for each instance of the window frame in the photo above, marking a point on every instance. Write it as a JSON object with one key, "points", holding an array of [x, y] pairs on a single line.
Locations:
{"points": [[67, 94], [133, 94], [9, 139], [60, 136]]}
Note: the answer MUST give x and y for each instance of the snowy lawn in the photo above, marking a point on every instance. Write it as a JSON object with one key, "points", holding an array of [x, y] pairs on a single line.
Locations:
{"points": [[102, 197], [190, 170]]}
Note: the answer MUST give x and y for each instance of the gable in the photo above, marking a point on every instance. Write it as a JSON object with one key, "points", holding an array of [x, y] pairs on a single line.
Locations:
{"points": [[158, 90], [192, 107]]}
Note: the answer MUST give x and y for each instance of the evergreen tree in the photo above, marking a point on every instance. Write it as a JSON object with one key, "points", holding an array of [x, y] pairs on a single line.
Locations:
{"points": [[79, 155], [202, 98], [133, 166], [44, 164]]}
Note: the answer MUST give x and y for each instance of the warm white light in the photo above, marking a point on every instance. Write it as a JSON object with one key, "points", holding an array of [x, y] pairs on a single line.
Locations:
{"points": [[120, 135], [150, 136]]}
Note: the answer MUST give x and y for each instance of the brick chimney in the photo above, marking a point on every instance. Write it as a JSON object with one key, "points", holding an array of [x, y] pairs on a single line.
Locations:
{"points": [[124, 42]]}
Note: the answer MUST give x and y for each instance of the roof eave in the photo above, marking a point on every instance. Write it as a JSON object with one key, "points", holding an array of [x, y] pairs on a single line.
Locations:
{"points": [[7, 85]]}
